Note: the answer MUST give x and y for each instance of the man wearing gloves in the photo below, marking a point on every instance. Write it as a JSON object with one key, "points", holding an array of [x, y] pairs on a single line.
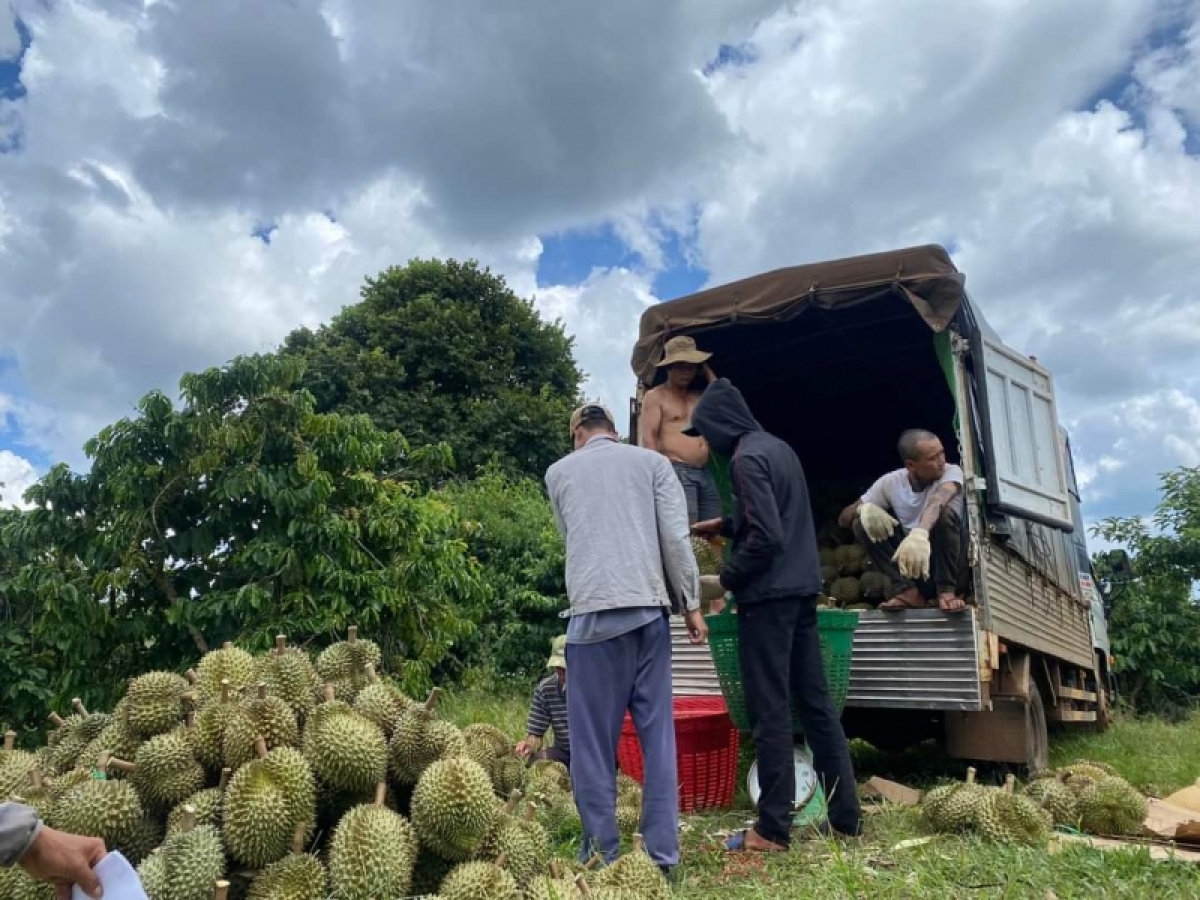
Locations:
{"points": [[48, 855], [910, 521], [774, 572], [623, 517]]}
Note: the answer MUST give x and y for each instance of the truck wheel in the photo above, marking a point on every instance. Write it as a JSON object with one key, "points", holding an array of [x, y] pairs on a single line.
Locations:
{"points": [[1037, 738]]}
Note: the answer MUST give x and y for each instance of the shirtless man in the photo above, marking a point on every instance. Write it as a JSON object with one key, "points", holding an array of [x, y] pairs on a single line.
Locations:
{"points": [[926, 497], [666, 409]]}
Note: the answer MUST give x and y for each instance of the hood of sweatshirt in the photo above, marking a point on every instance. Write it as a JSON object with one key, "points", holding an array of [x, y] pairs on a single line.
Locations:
{"points": [[722, 417]]}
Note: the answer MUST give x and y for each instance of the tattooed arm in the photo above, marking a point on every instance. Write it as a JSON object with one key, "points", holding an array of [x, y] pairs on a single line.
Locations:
{"points": [[941, 495]]}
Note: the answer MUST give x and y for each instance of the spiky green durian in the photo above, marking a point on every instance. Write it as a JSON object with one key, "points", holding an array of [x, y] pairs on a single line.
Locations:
{"points": [[372, 853], [480, 880], [1056, 798], [526, 853], [298, 876], [15, 766], [381, 701], [104, 808], [849, 559], [229, 663], [453, 806], [147, 837], [17, 884], [265, 716], [637, 873], [421, 738], [958, 813], [207, 803], [349, 658], [873, 585], [165, 770], [1010, 818], [187, 866], [346, 751], [484, 743], [116, 739], [507, 774], [708, 557], [267, 799], [845, 590], [1112, 807], [155, 703], [291, 676]]}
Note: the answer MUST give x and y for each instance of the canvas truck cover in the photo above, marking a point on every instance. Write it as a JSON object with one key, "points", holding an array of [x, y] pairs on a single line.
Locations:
{"points": [[925, 276]]}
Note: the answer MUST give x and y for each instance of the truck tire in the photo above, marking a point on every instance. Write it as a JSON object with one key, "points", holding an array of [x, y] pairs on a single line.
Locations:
{"points": [[1037, 737]]}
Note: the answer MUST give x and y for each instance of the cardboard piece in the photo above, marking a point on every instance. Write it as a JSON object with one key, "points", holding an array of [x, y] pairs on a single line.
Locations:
{"points": [[891, 791], [1157, 851], [1172, 823], [1188, 798]]}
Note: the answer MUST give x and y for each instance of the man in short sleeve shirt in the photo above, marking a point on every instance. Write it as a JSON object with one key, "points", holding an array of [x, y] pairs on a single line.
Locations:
{"points": [[910, 523]]}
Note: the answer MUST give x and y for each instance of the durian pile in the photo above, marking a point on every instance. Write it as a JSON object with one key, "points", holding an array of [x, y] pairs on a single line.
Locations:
{"points": [[848, 579], [271, 777], [1084, 796]]}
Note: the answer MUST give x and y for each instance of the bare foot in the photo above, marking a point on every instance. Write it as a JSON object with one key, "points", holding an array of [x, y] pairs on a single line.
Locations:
{"points": [[907, 599], [950, 602]]}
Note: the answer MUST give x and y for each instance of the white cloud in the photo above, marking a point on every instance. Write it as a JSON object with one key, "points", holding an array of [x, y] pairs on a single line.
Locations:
{"points": [[10, 39], [17, 475]]}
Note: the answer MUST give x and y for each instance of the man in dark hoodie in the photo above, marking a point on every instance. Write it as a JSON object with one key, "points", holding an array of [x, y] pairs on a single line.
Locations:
{"points": [[774, 572]]}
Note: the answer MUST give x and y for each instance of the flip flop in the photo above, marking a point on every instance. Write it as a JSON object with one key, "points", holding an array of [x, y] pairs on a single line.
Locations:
{"points": [[737, 844], [953, 612], [896, 603]]}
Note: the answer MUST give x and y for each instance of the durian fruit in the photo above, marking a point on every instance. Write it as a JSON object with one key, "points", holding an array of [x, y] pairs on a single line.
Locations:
{"points": [[453, 807], [548, 774], [708, 557], [165, 770], [17, 884], [828, 557], [100, 807], [1081, 775], [524, 843], [636, 873], [849, 559], [147, 837], [207, 805], [115, 739], [263, 715], [155, 703], [958, 812], [187, 866], [298, 876], [344, 664], [347, 752], [372, 853], [554, 885], [1056, 798], [35, 794], [381, 701], [265, 802], [845, 590], [1112, 807], [485, 743], [231, 664], [211, 723], [602, 892], [507, 774], [480, 880], [1010, 818], [15, 766], [873, 585], [1101, 767], [829, 574], [72, 735], [421, 738], [429, 872], [60, 784], [291, 676]]}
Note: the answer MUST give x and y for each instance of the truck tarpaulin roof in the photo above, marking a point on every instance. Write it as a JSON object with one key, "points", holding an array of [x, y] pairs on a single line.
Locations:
{"points": [[925, 276]]}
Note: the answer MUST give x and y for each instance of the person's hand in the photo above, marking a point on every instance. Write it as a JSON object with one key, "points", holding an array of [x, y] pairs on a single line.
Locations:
{"points": [[65, 860], [696, 626], [717, 605], [912, 556], [876, 522], [529, 745], [707, 528]]}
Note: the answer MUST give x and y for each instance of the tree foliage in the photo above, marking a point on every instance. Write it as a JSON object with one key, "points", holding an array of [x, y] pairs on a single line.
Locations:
{"points": [[445, 352], [512, 534], [243, 513], [1152, 608]]}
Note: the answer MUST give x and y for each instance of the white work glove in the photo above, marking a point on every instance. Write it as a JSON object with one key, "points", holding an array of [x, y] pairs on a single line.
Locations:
{"points": [[912, 556], [876, 522]]}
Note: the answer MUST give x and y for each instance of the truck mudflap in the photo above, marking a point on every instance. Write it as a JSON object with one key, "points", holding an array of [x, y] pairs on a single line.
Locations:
{"points": [[916, 659]]}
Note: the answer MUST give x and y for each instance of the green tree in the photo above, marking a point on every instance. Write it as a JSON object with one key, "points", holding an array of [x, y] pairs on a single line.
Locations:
{"points": [[1153, 613], [445, 352], [242, 514], [512, 534]]}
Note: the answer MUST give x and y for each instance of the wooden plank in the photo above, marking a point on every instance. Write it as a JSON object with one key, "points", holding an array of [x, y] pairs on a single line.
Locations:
{"points": [[1157, 851], [1067, 693], [1070, 715]]}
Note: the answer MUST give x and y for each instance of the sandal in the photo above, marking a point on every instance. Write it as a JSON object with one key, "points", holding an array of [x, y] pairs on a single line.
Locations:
{"points": [[901, 601], [740, 842]]}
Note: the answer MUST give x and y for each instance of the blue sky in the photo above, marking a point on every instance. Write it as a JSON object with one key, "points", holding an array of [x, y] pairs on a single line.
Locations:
{"points": [[173, 209]]}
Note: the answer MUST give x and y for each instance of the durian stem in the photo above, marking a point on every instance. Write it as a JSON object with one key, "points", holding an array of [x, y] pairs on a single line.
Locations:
{"points": [[329, 693], [971, 775], [555, 870], [227, 645], [56, 719], [103, 760], [189, 719], [638, 843], [280, 644], [224, 690], [581, 883], [10, 741], [38, 779], [262, 690], [192, 676], [189, 697], [593, 862], [380, 793], [122, 765], [352, 634], [372, 676], [530, 812], [513, 799], [188, 820], [432, 702], [79, 707], [1010, 782], [226, 773], [260, 746], [222, 891], [298, 838], [502, 861]]}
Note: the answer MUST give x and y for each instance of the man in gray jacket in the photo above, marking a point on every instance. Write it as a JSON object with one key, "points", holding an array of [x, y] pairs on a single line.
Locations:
{"points": [[48, 855], [623, 516]]}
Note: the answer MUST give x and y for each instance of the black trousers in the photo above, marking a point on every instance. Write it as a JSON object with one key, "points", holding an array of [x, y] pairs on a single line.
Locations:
{"points": [[947, 552], [780, 658]]}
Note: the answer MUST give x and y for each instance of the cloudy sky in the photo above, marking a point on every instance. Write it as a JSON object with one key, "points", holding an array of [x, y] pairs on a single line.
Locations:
{"points": [[183, 181]]}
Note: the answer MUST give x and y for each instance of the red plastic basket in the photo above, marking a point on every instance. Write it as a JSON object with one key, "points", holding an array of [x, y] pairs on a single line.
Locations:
{"points": [[706, 752]]}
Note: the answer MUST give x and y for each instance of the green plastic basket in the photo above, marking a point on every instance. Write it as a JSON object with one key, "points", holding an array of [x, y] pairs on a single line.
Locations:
{"points": [[835, 629]]}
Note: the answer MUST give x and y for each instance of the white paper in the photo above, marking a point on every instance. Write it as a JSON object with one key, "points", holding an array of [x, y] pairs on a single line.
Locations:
{"points": [[118, 878]]}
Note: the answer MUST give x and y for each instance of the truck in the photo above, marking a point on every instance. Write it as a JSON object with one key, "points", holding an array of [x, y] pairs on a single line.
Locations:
{"points": [[838, 358]]}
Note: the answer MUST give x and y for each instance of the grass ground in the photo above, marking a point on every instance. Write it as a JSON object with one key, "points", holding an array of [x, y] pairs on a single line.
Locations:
{"points": [[1154, 755]]}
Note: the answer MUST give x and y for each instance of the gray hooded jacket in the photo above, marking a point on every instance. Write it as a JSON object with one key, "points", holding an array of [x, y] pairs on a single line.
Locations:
{"points": [[19, 825]]}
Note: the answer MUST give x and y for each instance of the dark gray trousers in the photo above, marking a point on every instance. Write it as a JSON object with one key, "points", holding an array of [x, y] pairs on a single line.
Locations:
{"points": [[629, 672], [947, 556]]}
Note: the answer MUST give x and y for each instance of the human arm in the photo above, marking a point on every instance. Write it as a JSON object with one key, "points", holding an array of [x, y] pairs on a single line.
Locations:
{"points": [[650, 421], [871, 510], [938, 498], [47, 854], [763, 531], [674, 535], [536, 725], [846, 519]]}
